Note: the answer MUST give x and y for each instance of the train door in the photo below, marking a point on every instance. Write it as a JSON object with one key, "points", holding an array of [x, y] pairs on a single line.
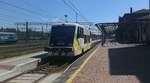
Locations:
{"points": [[81, 36]]}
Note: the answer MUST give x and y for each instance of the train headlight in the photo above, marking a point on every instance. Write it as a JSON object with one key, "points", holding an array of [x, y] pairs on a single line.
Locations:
{"points": [[2, 38]]}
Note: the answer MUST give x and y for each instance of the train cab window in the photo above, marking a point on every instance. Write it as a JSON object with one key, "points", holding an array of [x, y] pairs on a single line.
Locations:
{"points": [[62, 35]]}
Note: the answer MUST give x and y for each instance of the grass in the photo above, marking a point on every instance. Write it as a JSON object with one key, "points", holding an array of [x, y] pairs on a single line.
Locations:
{"points": [[21, 48]]}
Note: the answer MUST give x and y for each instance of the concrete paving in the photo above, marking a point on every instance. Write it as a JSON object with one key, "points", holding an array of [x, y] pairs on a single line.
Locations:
{"points": [[26, 78], [21, 57], [21, 81], [18, 67], [51, 78], [14, 66], [73, 67], [118, 64]]}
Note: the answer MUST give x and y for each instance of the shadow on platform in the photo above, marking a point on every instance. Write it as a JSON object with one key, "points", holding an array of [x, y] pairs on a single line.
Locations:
{"points": [[131, 61]]}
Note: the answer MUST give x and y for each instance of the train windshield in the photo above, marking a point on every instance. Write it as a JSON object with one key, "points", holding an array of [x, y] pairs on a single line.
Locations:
{"points": [[62, 36]]}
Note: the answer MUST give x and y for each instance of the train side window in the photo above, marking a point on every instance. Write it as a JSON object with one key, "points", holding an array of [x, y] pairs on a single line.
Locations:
{"points": [[86, 39], [80, 32]]}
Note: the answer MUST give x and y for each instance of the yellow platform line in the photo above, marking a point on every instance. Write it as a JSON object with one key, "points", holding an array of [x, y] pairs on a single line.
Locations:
{"points": [[74, 75]]}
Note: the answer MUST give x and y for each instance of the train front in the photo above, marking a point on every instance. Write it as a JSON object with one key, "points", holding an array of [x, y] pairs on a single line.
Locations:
{"points": [[61, 40]]}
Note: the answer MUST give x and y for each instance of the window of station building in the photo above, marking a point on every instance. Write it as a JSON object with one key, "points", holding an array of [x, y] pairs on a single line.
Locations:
{"points": [[144, 30]]}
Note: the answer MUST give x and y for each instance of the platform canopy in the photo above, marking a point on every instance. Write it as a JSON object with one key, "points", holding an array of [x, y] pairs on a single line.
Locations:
{"points": [[107, 27]]}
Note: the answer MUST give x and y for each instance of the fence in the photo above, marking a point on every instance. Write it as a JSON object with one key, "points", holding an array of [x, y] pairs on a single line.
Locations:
{"points": [[28, 31]]}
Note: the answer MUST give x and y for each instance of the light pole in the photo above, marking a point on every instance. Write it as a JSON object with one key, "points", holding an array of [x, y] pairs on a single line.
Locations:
{"points": [[149, 25], [66, 18], [76, 17], [149, 5]]}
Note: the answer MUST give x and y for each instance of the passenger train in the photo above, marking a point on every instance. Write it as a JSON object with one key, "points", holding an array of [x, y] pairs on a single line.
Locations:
{"points": [[7, 37], [70, 39]]}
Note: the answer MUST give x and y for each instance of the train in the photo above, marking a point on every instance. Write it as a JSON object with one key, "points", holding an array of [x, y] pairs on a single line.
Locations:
{"points": [[8, 37], [70, 39]]}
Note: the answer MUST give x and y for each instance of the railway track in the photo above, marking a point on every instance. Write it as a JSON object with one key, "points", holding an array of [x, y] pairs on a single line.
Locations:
{"points": [[42, 71], [53, 65]]}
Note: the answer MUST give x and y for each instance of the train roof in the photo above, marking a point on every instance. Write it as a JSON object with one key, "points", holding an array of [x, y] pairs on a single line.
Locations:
{"points": [[69, 24], [7, 33]]}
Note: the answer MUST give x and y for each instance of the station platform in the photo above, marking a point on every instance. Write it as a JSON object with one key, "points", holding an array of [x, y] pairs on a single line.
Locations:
{"points": [[115, 64], [12, 67]]}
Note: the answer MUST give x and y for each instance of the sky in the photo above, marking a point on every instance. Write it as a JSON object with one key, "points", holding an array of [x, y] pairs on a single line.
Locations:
{"points": [[54, 10]]}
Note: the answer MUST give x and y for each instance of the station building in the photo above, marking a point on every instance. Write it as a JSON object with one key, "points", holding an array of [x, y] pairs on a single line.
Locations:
{"points": [[134, 27]]}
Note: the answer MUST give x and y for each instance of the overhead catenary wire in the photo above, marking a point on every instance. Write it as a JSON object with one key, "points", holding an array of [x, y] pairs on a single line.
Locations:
{"points": [[69, 6], [5, 20], [10, 15], [31, 5], [74, 9], [10, 18], [23, 9], [5, 15], [73, 5]]}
